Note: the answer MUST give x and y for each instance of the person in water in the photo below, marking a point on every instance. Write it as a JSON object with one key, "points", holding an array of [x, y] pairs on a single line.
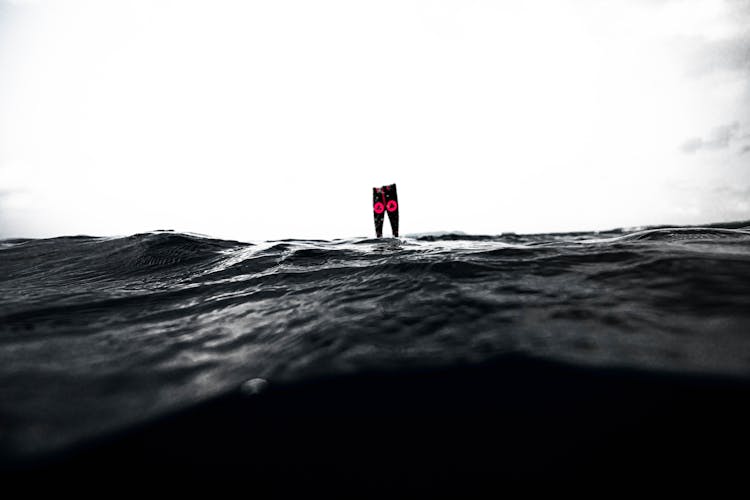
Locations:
{"points": [[385, 199]]}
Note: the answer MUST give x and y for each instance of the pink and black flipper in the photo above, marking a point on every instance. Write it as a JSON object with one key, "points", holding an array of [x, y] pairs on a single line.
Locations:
{"points": [[385, 199]]}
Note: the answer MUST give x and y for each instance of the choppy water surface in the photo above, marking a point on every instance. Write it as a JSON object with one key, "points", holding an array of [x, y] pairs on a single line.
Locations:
{"points": [[97, 334]]}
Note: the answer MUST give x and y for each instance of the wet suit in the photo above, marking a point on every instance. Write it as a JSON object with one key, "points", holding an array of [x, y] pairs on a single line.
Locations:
{"points": [[385, 199]]}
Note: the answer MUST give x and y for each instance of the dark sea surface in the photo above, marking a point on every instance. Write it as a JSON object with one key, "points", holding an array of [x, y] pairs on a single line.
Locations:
{"points": [[100, 336]]}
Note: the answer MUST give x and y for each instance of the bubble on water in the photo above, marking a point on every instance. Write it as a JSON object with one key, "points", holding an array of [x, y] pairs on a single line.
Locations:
{"points": [[254, 386]]}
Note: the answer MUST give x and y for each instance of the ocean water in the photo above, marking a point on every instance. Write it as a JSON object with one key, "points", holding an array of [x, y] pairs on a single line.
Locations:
{"points": [[101, 334]]}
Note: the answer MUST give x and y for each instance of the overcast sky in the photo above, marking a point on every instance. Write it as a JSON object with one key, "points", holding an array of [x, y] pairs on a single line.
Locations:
{"points": [[272, 119]]}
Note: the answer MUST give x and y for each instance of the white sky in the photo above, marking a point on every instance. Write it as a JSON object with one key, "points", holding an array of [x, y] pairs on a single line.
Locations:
{"points": [[274, 119]]}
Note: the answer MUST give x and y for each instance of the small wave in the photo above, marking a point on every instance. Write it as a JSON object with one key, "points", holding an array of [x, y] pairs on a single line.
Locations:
{"points": [[161, 251], [685, 234], [455, 237]]}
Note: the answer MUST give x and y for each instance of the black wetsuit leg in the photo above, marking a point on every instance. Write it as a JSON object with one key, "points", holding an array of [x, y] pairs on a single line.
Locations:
{"points": [[378, 209], [391, 206]]}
